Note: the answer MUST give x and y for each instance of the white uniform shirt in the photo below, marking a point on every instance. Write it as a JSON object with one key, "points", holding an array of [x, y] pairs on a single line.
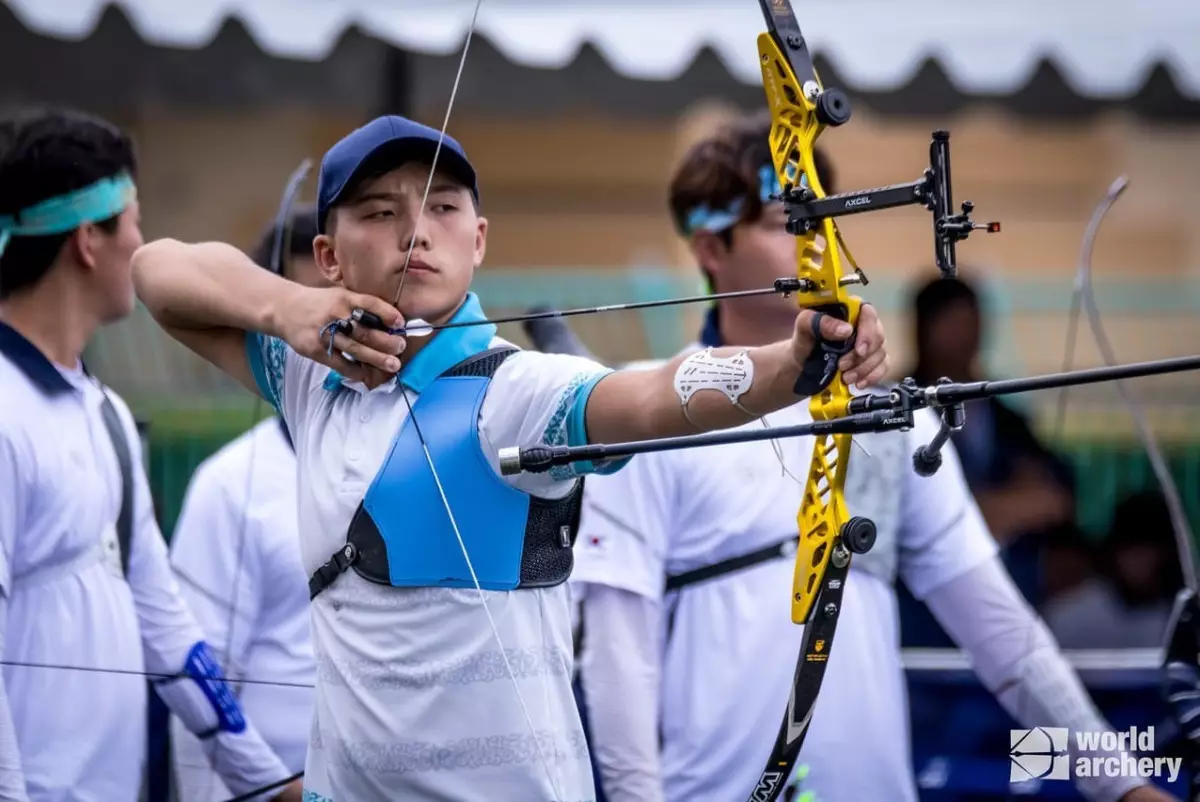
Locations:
{"points": [[236, 553], [81, 728], [413, 697], [728, 665]]}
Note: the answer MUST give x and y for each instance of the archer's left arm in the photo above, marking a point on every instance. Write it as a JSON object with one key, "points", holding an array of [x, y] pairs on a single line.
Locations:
{"points": [[173, 644], [645, 404], [950, 561], [1017, 659]]}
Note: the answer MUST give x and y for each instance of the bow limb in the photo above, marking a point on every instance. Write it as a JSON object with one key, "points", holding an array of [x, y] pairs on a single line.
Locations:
{"points": [[437, 480], [800, 111], [1084, 291], [1181, 659]]}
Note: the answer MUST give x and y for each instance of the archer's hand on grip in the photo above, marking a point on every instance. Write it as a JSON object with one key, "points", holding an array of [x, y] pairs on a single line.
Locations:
{"points": [[823, 345]]}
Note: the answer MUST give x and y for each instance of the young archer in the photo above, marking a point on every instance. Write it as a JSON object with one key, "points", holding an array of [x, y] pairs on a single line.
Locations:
{"points": [[439, 676], [686, 560]]}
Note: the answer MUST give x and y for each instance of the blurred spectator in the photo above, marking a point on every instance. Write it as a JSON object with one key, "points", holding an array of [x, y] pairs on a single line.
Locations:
{"points": [[1068, 561], [1024, 492], [1128, 605], [1023, 489]]}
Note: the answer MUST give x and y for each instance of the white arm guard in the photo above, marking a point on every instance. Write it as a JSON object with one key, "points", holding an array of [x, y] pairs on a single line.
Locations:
{"points": [[1016, 658], [732, 376]]}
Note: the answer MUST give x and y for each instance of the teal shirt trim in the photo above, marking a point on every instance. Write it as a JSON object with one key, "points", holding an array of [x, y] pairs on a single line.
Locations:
{"points": [[568, 426], [446, 349]]}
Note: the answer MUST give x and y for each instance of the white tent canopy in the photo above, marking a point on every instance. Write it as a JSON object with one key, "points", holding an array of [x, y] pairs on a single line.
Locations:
{"points": [[1103, 48]]}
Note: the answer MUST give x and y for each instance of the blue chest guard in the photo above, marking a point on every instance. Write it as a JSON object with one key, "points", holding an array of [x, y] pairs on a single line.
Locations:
{"points": [[402, 535]]}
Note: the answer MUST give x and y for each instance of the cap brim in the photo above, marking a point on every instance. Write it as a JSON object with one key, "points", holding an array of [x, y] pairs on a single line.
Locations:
{"points": [[394, 152]]}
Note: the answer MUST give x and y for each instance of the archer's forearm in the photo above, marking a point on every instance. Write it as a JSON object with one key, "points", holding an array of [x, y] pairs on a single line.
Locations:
{"points": [[1016, 658], [620, 669], [208, 285], [643, 404]]}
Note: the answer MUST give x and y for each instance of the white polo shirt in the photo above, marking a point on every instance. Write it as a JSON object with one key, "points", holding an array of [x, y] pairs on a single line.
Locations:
{"points": [[236, 553], [728, 663], [413, 698], [81, 728]]}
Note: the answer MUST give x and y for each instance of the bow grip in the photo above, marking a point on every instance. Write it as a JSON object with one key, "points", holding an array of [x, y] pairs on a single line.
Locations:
{"points": [[821, 366]]}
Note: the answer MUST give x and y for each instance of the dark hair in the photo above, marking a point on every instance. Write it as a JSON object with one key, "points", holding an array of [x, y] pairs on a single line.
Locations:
{"points": [[932, 298], [724, 167], [300, 229], [44, 154], [1144, 519]]}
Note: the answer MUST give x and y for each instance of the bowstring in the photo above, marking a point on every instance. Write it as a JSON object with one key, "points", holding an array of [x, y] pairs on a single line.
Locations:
{"points": [[421, 437]]}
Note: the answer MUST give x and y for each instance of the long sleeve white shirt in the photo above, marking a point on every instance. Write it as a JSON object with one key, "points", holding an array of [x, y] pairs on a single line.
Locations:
{"points": [[78, 635]]}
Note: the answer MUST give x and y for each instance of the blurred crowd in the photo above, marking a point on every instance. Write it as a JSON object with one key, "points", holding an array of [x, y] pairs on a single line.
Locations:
{"points": [[1109, 593]]}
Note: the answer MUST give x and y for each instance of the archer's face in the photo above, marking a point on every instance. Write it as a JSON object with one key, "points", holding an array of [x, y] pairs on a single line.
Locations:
{"points": [[759, 252], [111, 256], [371, 233]]}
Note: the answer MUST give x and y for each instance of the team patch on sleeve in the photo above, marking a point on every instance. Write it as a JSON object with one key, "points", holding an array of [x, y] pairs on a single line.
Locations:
{"points": [[267, 357], [313, 796], [568, 427]]}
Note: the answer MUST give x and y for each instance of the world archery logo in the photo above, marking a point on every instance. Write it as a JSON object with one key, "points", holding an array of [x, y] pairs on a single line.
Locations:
{"points": [[1038, 754]]}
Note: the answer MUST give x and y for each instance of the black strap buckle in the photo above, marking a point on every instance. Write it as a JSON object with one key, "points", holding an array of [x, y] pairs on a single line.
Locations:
{"points": [[339, 562]]}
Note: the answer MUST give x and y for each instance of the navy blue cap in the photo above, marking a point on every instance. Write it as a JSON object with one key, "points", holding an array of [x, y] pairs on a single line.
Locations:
{"points": [[387, 141]]}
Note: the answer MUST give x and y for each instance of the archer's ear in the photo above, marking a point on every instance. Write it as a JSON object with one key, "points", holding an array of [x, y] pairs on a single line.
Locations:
{"points": [[481, 230], [83, 243], [325, 255], [708, 250]]}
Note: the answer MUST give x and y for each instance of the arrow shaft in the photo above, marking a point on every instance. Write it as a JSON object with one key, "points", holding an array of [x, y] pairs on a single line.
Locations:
{"points": [[783, 287]]}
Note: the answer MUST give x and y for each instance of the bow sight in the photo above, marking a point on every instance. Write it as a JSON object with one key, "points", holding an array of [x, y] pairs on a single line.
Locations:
{"points": [[805, 211]]}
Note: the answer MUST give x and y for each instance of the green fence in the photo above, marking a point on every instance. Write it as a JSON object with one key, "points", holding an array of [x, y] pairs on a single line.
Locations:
{"points": [[193, 410]]}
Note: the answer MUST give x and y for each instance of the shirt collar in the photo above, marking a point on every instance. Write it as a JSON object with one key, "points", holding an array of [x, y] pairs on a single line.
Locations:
{"points": [[32, 362], [446, 348], [710, 332]]}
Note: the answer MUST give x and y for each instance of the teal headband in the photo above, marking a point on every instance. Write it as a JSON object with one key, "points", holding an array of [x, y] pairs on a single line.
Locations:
{"points": [[102, 200], [702, 218]]}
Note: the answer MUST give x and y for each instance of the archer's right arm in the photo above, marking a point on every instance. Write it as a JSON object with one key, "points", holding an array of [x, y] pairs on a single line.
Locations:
{"points": [[209, 295]]}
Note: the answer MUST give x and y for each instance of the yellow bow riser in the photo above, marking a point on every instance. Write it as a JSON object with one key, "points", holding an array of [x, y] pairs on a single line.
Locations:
{"points": [[795, 126]]}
